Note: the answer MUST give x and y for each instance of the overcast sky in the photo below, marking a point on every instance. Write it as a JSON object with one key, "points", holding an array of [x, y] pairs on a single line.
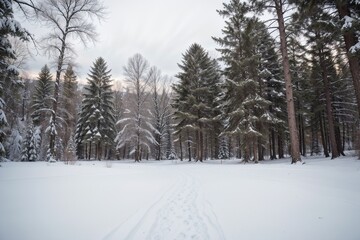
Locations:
{"points": [[160, 30]]}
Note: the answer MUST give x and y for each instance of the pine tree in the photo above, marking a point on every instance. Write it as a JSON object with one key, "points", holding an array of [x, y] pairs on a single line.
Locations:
{"points": [[41, 109], [271, 88], [320, 41], [96, 125], [280, 9], [345, 17], [42, 97], [344, 103], [224, 149], [70, 151], [193, 102], [29, 152], [213, 100], [15, 145], [249, 76], [9, 83]]}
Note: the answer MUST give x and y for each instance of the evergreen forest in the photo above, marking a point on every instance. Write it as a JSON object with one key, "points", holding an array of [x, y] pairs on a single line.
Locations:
{"points": [[286, 84]]}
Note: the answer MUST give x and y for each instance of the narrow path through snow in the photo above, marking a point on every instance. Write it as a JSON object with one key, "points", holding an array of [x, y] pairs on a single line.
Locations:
{"points": [[181, 213]]}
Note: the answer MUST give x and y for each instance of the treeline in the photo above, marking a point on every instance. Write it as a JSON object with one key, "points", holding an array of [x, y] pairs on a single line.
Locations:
{"points": [[285, 86]]}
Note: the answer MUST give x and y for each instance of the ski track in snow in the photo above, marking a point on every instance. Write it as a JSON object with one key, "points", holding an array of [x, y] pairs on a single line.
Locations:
{"points": [[182, 213]]}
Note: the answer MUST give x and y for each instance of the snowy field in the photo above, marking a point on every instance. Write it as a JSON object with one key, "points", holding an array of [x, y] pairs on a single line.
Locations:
{"points": [[180, 200]]}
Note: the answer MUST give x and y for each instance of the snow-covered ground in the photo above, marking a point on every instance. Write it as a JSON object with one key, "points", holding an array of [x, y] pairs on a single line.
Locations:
{"points": [[180, 200]]}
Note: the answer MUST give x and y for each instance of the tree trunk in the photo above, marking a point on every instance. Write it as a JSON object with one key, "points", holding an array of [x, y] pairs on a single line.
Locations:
{"points": [[261, 150], [350, 40], [238, 152], [255, 150], [86, 151], [339, 145], [247, 150], [180, 145], [300, 133], [330, 117], [124, 151], [272, 144], [230, 147], [206, 143], [90, 150], [200, 144], [323, 135], [280, 146], [314, 137], [189, 145], [344, 135], [294, 140], [303, 146]]}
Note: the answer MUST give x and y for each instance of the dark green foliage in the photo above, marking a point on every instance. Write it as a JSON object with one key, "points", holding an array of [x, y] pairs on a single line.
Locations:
{"points": [[30, 151], [9, 82], [96, 124], [196, 95], [42, 97], [253, 94]]}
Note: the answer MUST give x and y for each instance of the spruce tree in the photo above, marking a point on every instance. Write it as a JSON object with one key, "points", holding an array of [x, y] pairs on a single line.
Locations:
{"points": [[251, 73], [213, 100], [14, 145], [42, 98], [345, 16], [280, 10], [70, 151], [193, 103], [30, 152], [96, 125], [9, 83]]}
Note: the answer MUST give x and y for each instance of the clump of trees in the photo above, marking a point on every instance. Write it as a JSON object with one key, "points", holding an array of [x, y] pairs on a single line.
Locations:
{"points": [[288, 85]]}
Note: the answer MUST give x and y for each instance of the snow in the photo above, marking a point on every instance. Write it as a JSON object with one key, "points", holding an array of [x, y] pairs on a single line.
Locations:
{"points": [[181, 200], [348, 22], [355, 48], [3, 119]]}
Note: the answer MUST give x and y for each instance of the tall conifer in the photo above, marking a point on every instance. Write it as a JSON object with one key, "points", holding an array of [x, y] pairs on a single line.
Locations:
{"points": [[96, 125]]}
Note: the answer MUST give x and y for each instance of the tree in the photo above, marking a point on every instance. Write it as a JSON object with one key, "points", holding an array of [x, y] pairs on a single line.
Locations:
{"points": [[13, 95], [70, 151], [193, 100], [213, 101], [279, 8], [346, 20], [41, 111], [253, 99], [321, 49], [96, 125], [69, 103], [42, 97], [135, 125], [160, 112], [9, 27], [15, 145], [69, 19], [30, 152]]}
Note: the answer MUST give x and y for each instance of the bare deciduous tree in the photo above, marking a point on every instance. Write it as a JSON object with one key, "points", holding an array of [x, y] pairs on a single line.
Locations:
{"points": [[138, 77], [161, 111], [69, 20]]}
